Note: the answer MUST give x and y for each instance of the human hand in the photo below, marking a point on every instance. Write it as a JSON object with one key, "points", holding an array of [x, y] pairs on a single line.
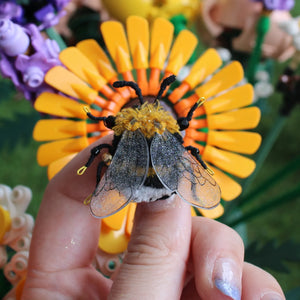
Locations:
{"points": [[170, 255]]}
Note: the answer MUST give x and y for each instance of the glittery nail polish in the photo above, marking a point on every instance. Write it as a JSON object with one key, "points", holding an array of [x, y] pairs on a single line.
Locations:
{"points": [[227, 278]]}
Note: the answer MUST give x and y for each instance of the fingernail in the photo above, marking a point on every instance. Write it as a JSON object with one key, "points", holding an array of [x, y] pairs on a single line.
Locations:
{"points": [[227, 278], [271, 296]]}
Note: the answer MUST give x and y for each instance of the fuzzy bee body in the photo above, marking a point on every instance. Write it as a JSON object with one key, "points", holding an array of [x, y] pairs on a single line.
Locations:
{"points": [[150, 163]]}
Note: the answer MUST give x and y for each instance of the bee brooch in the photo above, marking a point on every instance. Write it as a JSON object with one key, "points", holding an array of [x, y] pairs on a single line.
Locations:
{"points": [[147, 160]]}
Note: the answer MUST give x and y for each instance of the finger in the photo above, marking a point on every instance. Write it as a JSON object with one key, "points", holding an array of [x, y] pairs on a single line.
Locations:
{"points": [[155, 264], [217, 257], [190, 291], [65, 234], [258, 284]]}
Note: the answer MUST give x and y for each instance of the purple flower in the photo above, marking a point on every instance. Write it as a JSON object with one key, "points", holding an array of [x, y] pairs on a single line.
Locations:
{"points": [[48, 17], [26, 66], [13, 39], [11, 11], [7, 70], [60, 4], [48, 47], [44, 14], [277, 4]]}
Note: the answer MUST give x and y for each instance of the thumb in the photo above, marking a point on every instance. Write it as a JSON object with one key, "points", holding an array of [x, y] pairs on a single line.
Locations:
{"points": [[155, 264]]}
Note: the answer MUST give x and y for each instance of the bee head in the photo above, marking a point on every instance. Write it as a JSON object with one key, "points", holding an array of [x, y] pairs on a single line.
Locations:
{"points": [[149, 118]]}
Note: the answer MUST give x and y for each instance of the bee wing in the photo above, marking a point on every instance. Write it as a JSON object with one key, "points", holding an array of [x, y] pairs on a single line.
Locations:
{"points": [[126, 173], [180, 172]]}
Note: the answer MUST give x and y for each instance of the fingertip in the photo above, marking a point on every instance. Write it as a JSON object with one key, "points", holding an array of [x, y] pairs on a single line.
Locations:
{"points": [[218, 254], [259, 284], [164, 226], [158, 248]]}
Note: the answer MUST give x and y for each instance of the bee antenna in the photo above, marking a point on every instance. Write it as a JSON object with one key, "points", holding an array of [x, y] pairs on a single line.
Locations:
{"points": [[166, 82], [122, 83], [109, 121]]}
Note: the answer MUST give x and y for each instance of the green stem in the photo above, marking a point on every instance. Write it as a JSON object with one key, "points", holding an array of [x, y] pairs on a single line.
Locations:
{"points": [[271, 181], [53, 35], [260, 157], [282, 199], [262, 28], [179, 22], [265, 149]]}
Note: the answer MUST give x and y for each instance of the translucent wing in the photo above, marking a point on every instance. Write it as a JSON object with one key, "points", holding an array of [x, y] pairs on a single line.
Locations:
{"points": [[126, 173], [180, 172]]}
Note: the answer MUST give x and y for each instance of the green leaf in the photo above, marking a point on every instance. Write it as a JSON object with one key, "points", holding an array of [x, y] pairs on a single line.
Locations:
{"points": [[272, 256], [293, 294], [7, 89], [18, 130], [5, 285]]}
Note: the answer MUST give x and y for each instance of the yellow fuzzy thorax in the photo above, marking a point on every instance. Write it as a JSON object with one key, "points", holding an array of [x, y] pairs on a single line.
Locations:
{"points": [[149, 119]]}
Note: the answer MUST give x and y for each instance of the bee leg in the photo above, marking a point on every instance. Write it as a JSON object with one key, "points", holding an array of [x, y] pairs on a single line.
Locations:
{"points": [[195, 153], [94, 152], [99, 169], [184, 122]]}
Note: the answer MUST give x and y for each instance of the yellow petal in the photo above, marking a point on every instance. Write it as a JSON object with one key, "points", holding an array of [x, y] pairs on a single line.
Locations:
{"points": [[236, 98], [52, 151], [232, 163], [116, 221], [236, 141], [205, 65], [55, 166], [59, 105], [181, 51], [48, 130], [221, 81], [245, 118], [5, 222], [161, 39], [230, 189], [113, 241], [116, 43], [130, 218], [213, 213], [76, 62], [62, 80], [91, 49], [138, 38]]}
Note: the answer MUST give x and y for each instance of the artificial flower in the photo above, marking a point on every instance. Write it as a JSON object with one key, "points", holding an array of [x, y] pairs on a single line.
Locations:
{"points": [[218, 128], [26, 56], [277, 4], [44, 14]]}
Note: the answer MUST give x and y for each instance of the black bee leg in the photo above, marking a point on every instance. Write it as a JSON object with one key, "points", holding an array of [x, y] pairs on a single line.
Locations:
{"points": [[195, 153], [184, 122], [99, 169], [94, 152]]}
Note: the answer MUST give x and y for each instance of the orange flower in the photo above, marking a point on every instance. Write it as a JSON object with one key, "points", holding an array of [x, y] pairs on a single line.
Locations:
{"points": [[217, 128]]}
